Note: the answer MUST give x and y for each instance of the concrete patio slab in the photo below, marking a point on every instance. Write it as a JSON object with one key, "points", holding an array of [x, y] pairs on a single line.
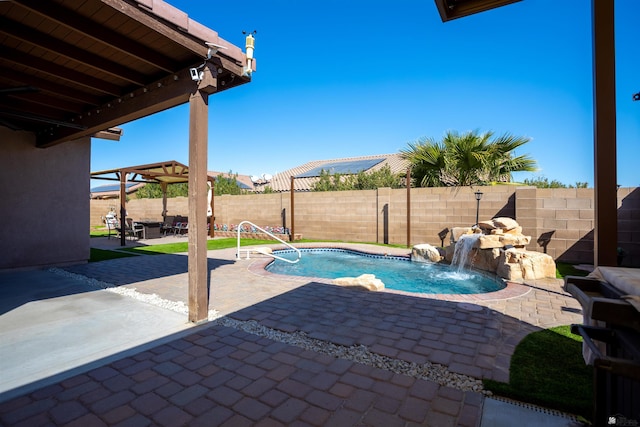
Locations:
{"points": [[53, 325], [500, 413]]}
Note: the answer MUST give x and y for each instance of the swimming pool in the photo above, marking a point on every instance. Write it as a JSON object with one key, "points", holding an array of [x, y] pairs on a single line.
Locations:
{"points": [[397, 273]]}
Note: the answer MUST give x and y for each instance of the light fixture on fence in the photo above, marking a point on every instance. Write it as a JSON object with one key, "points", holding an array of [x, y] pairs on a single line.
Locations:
{"points": [[478, 197]]}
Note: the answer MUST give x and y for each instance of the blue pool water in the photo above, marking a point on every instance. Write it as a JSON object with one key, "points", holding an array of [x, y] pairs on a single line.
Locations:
{"points": [[396, 273]]}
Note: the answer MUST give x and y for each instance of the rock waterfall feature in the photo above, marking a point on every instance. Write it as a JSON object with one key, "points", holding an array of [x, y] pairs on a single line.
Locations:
{"points": [[462, 250], [496, 246]]}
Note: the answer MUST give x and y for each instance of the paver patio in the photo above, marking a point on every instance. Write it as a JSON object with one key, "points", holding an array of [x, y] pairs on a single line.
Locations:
{"points": [[219, 375]]}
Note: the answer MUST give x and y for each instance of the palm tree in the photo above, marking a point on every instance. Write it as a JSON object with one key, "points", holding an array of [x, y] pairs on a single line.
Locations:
{"points": [[465, 159], [428, 164]]}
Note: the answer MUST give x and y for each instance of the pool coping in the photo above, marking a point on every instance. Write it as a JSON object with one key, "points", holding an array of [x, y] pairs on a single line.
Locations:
{"points": [[258, 267]]}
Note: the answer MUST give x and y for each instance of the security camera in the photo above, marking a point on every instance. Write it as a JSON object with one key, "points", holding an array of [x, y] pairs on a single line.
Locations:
{"points": [[215, 47]]}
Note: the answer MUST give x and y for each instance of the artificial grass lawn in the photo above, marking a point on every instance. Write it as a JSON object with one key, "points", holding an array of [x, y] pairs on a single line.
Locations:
{"points": [[547, 369], [172, 248], [97, 255], [230, 242], [169, 248], [563, 269], [99, 233]]}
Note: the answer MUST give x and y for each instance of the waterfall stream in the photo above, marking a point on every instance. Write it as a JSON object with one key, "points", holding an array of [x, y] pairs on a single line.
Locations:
{"points": [[462, 250]]}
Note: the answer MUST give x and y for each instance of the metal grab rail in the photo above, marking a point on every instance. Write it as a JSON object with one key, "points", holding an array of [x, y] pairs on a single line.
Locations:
{"points": [[270, 234]]}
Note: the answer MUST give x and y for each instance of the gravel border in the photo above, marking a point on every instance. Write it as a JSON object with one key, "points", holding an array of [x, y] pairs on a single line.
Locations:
{"points": [[357, 353], [360, 354], [153, 299]]}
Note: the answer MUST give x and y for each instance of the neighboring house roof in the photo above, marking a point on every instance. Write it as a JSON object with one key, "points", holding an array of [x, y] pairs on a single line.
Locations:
{"points": [[112, 191], [306, 175], [244, 181]]}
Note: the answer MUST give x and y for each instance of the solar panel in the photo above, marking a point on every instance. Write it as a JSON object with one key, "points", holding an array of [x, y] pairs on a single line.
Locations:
{"points": [[345, 168], [111, 187]]}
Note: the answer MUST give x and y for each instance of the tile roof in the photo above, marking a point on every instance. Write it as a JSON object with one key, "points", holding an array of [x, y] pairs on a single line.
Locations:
{"points": [[244, 181], [282, 181], [112, 191]]}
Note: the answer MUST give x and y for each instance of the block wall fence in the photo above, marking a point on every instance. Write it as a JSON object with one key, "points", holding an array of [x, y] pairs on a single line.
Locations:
{"points": [[559, 221]]}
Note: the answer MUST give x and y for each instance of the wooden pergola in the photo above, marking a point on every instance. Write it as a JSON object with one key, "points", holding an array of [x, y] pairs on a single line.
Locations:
{"points": [[70, 69], [163, 173]]}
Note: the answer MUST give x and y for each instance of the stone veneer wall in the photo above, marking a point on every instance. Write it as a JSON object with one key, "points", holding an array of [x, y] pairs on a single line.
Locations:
{"points": [[381, 215]]}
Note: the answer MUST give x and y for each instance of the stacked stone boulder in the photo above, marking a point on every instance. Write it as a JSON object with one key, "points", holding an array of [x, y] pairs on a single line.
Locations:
{"points": [[500, 249], [426, 253], [520, 264], [367, 282]]}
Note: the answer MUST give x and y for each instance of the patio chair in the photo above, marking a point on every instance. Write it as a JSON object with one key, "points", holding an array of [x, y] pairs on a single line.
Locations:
{"points": [[167, 225], [112, 225], [181, 228], [134, 230]]}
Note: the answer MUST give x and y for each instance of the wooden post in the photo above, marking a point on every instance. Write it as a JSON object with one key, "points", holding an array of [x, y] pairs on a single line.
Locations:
{"points": [[123, 207], [408, 207], [198, 133], [293, 229], [604, 108], [163, 186], [212, 220]]}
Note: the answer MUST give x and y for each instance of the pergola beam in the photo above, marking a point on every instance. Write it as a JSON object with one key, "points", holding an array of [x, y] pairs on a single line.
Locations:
{"points": [[163, 94]]}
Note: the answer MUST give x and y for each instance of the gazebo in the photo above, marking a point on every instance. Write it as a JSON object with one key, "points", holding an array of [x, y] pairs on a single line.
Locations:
{"points": [[163, 173]]}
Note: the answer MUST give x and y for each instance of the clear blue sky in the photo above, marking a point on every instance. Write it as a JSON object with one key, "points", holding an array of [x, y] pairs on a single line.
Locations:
{"points": [[351, 78]]}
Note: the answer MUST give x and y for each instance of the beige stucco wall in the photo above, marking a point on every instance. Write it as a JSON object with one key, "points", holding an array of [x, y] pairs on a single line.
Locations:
{"points": [[45, 202]]}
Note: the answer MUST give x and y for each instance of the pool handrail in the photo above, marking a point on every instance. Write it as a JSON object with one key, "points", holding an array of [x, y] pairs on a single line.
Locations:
{"points": [[264, 253]]}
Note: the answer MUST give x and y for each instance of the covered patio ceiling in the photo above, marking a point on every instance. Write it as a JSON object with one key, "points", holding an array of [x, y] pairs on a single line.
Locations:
{"points": [[72, 69]]}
